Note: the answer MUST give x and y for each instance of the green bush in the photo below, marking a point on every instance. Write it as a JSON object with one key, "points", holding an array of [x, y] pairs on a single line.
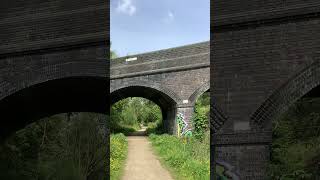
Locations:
{"points": [[65, 146], [296, 142], [124, 129], [128, 114], [200, 122], [118, 154], [155, 127], [188, 158], [200, 118]]}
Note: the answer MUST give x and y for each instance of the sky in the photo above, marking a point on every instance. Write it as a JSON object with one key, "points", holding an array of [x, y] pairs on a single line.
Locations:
{"points": [[139, 26]]}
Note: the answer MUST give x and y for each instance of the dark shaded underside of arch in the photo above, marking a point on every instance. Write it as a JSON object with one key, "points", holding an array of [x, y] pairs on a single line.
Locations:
{"points": [[166, 103], [202, 89], [160, 98], [74, 94]]}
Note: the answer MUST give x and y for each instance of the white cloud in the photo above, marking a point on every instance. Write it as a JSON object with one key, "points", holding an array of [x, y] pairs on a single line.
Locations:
{"points": [[169, 18], [170, 15], [126, 7]]}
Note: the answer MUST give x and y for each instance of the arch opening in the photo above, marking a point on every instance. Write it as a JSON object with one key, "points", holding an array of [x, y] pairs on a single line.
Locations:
{"points": [[45, 148], [136, 116], [292, 115], [200, 91], [164, 101], [296, 139], [72, 94]]}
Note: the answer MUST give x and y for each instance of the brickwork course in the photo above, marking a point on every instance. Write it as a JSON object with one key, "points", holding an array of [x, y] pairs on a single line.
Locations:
{"points": [[264, 57]]}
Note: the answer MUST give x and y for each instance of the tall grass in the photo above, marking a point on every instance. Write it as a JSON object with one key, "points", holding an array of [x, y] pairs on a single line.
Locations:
{"points": [[118, 154], [129, 114], [120, 128], [155, 127], [188, 159]]}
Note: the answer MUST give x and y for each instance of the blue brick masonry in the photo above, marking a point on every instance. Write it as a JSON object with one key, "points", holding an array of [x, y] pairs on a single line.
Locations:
{"points": [[264, 56]]}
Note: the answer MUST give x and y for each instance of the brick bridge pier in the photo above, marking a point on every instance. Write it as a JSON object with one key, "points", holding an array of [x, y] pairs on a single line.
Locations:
{"points": [[266, 56]]}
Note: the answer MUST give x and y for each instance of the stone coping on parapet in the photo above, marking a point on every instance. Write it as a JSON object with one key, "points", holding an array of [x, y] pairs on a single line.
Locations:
{"points": [[182, 58], [162, 60], [162, 70], [164, 54]]}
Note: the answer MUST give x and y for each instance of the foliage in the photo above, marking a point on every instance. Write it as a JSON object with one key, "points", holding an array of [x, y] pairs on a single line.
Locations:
{"points": [[200, 118], [113, 53], [296, 142], [220, 173], [66, 146], [155, 127], [122, 118], [118, 154], [129, 114], [187, 157]]}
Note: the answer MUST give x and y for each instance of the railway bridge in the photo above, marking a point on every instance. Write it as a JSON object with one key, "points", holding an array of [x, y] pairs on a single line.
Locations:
{"points": [[172, 78]]}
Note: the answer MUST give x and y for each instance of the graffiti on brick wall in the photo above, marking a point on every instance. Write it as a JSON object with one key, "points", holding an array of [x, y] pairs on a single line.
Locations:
{"points": [[183, 126], [226, 171]]}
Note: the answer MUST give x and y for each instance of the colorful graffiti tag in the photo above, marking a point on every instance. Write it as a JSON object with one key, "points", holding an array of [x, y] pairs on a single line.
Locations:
{"points": [[182, 126]]}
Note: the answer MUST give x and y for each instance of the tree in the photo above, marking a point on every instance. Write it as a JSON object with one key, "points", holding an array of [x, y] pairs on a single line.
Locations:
{"points": [[57, 148], [113, 54], [132, 112], [296, 142]]}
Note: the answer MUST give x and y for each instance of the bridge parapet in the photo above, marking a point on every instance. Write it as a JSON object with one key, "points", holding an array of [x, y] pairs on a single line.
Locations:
{"points": [[173, 59], [238, 12], [30, 26]]}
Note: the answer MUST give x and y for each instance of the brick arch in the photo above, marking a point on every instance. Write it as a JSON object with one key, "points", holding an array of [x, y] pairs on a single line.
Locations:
{"points": [[217, 116], [295, 88], [163, 97], [198, 92], [69, 87], [151, 85], [53, 72]]}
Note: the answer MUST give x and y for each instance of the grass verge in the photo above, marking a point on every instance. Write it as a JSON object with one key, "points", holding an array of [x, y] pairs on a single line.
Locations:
{"points": [[118, 155], [187, 159]]}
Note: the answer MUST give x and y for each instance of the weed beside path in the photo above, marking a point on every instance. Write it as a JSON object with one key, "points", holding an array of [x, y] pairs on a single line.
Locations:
{"points": [[118, 155], [188, 159]]}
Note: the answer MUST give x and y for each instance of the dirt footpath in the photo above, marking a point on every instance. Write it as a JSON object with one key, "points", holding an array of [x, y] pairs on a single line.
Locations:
{"points": [[141, 163]]}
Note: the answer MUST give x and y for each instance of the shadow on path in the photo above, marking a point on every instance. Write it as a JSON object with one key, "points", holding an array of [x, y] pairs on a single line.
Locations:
{"points": [[141, 132]]}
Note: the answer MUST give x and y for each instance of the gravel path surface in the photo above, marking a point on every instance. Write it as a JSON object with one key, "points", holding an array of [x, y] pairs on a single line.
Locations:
{"points": [[141, 162]]}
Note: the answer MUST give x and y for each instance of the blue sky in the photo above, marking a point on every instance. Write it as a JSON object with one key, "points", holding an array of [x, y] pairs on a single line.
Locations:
{"points": [[139, 26]]}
